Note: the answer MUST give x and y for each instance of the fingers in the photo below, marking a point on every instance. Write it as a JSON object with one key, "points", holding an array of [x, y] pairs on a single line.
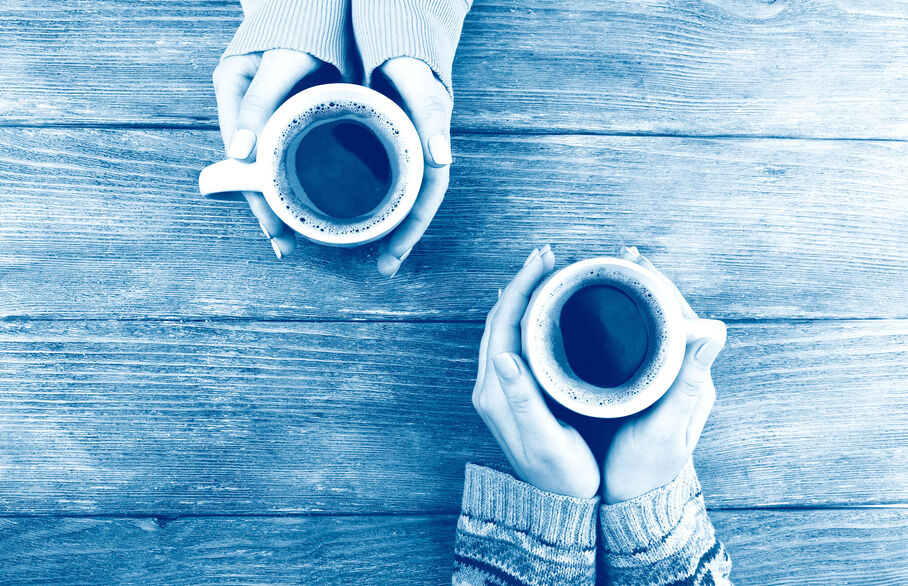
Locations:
{"points": [[674, 411], [396, 248], [505, 323], [249, 88], [700, 415], [427, 102], [231, 79], [532, 417], [633, 255], [281, 236], [429, 106], [278, 72]]}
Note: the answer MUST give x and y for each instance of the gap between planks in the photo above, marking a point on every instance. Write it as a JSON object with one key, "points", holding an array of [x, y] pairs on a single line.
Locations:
{"points": [[554, 131], [164, 518]]}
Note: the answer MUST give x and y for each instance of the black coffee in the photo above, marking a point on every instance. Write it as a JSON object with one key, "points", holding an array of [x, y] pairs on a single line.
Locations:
{"points": [[343, 168], [605, 335]]}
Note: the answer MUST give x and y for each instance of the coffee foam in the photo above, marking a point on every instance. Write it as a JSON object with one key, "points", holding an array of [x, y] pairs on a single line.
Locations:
{"points": [[551, 364], [386, 131]]}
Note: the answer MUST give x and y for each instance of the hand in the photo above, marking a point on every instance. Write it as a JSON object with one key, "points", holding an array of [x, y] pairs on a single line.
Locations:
{"points": [[249, 88], [543, 451], [650, 448], [429, 106]]}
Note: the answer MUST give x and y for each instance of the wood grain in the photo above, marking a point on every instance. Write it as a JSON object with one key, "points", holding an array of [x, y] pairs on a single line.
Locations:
{"points": [[108, 223], [826, 68], [861, 546], [235, 418]]}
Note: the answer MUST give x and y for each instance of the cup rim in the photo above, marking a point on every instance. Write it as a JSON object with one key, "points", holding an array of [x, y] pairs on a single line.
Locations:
{"points": [[675, 343], [363, 95]]}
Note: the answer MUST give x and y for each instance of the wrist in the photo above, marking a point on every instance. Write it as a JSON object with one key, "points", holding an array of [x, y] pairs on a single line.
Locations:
{"points": [[496, 497]]}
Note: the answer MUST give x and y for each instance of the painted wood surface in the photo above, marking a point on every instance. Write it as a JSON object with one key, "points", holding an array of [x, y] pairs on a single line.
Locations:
{"points": [[857, 546], [231, 418], [108, 223], [826, 68], [138, 378]]}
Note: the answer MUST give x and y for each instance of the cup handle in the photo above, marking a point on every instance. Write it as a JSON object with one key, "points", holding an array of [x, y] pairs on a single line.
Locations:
{"points": [[226, 179], [698, 328]]}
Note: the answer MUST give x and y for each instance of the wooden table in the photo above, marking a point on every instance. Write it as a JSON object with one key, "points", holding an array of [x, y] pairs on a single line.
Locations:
{"points": [[178, 406]]}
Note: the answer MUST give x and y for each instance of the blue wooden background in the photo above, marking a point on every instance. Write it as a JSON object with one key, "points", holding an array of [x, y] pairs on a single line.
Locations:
{"points": [[178, 406]]}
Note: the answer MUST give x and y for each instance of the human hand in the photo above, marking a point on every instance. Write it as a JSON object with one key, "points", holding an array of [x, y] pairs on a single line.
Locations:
{"points": [[429, 106], [650, 448], [249, 89], [542, 450]]}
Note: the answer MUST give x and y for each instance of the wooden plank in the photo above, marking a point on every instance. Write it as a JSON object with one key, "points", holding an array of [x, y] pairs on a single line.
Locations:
{"points": [[107, 223], [852, 546], [818, 69], [225, 418]]}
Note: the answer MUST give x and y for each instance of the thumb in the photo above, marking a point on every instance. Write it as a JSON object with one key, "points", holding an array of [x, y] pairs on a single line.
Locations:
{"points": [[528, 407], [428, 103], [279, 72], [674, 410]]}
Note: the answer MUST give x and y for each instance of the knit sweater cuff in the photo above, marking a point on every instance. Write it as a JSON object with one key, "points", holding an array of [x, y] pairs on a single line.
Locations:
{"points": [[646, 520], [555, 519], [428, 30], [317, 27]]}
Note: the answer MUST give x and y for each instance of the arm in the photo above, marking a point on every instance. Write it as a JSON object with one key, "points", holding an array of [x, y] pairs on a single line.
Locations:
{"points": [[412, 43], [278, 44], [653, 524], [541, 530], [316, 27], [509, 531], [662, 537], [428, 30]]}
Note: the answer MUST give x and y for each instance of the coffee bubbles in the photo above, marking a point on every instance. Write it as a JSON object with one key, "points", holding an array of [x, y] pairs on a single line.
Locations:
{"points": [[600, 336], [340, 167], [339, 163]]}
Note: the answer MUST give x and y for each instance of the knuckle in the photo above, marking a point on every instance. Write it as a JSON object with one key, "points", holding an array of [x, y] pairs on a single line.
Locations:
{"points": [[254, 101], [436, 106], [520, 401], [477, 400], [691, 385], [220, 75]]}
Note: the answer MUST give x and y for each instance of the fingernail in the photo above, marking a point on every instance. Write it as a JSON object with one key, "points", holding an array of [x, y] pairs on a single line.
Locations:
{"points": [[506, 366], [277, 249], [241, 144], [499, 293], [400, 262], [265, 230], [440, 149], [633, 250], [404, 256], [545, 249], [708, 351], [532, 256]]}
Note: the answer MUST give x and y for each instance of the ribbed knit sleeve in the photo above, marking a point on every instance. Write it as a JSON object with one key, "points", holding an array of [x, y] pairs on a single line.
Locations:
{"points": [[511, 532], [317, 27], [424, 29], [662, 537]]}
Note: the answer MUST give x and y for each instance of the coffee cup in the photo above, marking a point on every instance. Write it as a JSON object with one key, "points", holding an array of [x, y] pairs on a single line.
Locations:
{"points": [[340, 164], [605, 337]]}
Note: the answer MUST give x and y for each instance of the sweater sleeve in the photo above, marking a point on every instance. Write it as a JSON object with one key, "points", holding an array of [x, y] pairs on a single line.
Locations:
{"points": [[511, 532], [317, 27], [428, 30], [662, 537]]}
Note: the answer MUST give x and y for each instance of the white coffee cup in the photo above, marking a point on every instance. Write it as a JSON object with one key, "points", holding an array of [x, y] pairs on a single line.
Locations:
{"points": [[672, 331], [309, 108]]}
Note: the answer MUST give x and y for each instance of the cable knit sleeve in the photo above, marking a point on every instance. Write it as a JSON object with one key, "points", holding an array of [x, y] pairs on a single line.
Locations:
{"points": [[662, 537], [317, 27], [510, 532], [424, 29]]}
